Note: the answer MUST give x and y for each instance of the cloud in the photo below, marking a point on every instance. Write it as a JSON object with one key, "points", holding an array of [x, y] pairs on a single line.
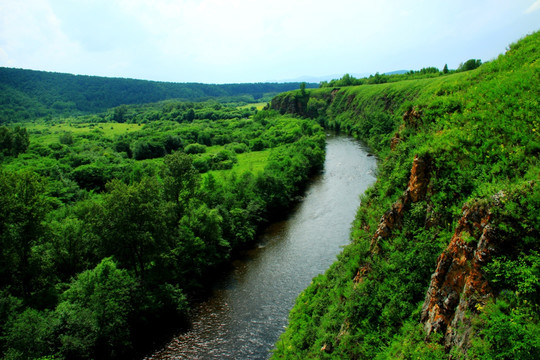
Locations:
{"points": [[249, 40], [534, 7], [30, 33]]}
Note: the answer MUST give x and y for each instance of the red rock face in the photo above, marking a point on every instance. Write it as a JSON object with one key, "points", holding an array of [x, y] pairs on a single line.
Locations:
{"points": [[458, 286], [412, 117], [395, 141], [416, 191]]}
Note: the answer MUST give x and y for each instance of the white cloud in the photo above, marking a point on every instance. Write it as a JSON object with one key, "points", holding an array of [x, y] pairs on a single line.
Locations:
{"points": [[534, 7], [29, 33], [248, 40]]}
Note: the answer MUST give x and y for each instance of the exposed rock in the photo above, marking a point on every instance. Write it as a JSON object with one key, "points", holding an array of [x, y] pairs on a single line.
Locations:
{"points": [[412, 117], [458, 285], [361, 274], [334, 93], [285, 104], [419, 180], [416, 191], [395, 141]]}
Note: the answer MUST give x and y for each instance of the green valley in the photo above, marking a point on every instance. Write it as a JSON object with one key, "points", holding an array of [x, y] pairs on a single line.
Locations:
{"points": [[109, 230], [121, 199]]}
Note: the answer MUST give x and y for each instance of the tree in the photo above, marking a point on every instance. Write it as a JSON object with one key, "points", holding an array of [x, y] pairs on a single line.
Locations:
{"points": [[119, 114], [23, 206], [13, 142], [180, 179], [135, 223], [189, 116], [445, 69], [470, 64], [66, 138], [94, 313]]}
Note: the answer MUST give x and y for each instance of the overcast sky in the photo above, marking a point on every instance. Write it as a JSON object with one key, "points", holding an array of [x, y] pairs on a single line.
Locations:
{"points": [[226, 41]]}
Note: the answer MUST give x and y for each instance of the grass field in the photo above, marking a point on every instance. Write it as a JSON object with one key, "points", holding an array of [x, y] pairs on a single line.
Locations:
{"points": [[253, 162], [50, 133], [258, 106]]}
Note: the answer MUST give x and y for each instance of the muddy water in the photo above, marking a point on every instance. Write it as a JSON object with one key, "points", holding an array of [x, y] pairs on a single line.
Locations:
{"points": [[249, 306]]}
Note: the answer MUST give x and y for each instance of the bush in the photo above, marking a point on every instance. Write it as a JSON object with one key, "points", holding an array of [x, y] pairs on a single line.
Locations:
{"points": [[195, 149]]}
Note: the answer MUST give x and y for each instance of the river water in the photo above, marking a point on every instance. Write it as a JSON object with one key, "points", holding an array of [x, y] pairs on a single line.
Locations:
{"points": [[249, 307]]}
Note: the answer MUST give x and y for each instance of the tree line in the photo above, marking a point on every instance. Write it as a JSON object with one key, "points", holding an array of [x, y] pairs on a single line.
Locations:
{"points": [[29, 94], [428, 72]]}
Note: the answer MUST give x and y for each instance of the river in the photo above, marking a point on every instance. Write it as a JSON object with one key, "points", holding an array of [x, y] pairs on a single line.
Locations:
{"points": [[249, 306]]}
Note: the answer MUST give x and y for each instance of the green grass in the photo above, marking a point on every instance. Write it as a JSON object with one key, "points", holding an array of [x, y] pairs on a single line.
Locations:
{"points": [[258, 106], [46, 134], [253, 162]]}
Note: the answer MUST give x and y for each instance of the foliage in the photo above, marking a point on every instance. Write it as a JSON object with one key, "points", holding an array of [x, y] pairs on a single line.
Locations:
{"points": [[13, 141], [470, 64], [28, 94], [480, 131], [99, 247], [507, 329]]}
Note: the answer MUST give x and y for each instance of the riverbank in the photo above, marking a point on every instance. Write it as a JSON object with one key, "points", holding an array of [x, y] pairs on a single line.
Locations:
{"points": [[249, 306]]}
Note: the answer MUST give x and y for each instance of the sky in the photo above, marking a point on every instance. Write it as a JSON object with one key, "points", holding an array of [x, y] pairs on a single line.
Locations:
{"points": [[236, 41]]}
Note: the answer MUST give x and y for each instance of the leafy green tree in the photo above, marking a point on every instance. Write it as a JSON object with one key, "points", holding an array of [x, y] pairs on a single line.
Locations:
{"points": [[13, 141], [66, 138], [93, 316], [136, 223], [148, 149], [180, 180], [119, 114], [445, 69], [189, 116], [23, 206], [470, 64], [30, 335], [202, 235], [195, 149]]}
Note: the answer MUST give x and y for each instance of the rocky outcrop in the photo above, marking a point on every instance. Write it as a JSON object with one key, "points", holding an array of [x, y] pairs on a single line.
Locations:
{"points": [[458, 286], [395, 141], [416, 191], [412, 117], [291, 103]]}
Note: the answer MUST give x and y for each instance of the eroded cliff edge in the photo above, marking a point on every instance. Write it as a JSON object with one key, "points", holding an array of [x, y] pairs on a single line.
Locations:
{"points": [[444, 260]]}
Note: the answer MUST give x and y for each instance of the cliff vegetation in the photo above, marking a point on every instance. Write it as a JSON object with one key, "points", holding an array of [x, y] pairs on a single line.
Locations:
{"points": [[444, 256]]}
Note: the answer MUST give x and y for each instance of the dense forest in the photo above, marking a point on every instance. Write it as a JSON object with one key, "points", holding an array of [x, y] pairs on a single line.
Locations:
{"points": [[444, 258], [111, 224], [28, 94]]}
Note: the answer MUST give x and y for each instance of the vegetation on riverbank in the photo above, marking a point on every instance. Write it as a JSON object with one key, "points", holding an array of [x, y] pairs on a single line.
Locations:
{"points": [[111, 221], [108, 229], [444, 255]]}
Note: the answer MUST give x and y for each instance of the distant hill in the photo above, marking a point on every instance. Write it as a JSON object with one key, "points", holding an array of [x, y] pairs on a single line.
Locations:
{"points": [[27, 94], [397, 72]]}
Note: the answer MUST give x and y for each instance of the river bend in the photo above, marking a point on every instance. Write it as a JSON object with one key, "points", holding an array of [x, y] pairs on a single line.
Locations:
{"points": [[249, 307]]}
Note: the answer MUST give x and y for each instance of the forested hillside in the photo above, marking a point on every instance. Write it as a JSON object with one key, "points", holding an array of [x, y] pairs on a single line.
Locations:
{"points": [[109, 230], [28, 94], [444, 259]]}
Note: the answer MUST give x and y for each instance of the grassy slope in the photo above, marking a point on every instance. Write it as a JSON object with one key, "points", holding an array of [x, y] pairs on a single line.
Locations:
{"points": [[480, 129]]}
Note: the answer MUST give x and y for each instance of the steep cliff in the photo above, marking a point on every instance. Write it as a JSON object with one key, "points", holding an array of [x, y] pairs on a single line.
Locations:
{"points": [[444, 260]]}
